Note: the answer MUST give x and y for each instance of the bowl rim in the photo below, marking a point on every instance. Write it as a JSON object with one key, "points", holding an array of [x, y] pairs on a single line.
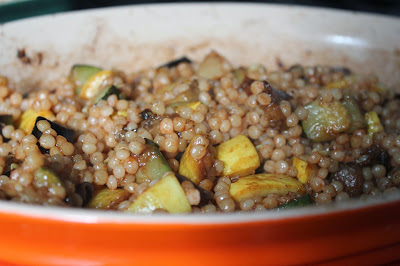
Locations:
{"points": [[88, 216]]}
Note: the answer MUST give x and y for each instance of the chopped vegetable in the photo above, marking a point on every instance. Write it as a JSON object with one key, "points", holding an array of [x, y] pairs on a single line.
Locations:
{"points": [[264, 184], [79, 74], [326, 120], [176, 62], [96, 83], [204, 194], [239, 156], [299, 202], [105, 93], [374, 123], [339, 84], [351, 176], [188, 96], [108, 199], [213, 66], [357, 119], [191, 105], [195, 170], [305, 170], [154, 164], [166, 194], [67, 133], [28, 119], [44, 177]]}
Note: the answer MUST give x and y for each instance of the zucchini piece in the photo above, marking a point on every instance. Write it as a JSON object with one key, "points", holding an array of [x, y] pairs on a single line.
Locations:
{"points": [[166, 194], [239, 155], [213, 66], [374, 123], [299, 202], [326, 120], [95, 84], [153, 164], [151, 122], [108, 199], [186, 97], [5, 120], [105, 93], [67, 133], [195, 170], [357, 119], [44, 177], [79, 74], [175, 62], [239, 74], [263, 185], [305, 170], [28, 119]]}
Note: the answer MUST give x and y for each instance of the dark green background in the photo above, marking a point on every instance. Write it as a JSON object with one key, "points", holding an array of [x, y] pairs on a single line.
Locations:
{"points": [[27, 8]]}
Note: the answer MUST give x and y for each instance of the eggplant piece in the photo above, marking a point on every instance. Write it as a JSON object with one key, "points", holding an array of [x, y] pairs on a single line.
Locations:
{"points": [[85, 190], [351, 176], [326, 120], [67, 133], [204, 194], [374, 155], [153, 164], [299, 202], [5, 120], [79, 74], [151, 122], [175, 62]]}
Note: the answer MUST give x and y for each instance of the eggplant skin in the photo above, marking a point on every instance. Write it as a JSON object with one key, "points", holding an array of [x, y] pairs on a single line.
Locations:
{"points": [[176, 62], [351, 176]]}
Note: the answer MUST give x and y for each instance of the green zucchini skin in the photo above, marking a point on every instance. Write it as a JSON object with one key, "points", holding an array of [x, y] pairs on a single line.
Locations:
{"points": [[80, 73], [299, 202]]}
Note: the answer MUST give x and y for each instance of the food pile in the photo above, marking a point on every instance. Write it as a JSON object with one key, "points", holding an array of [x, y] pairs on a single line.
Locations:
{"points": [[200, 137]]}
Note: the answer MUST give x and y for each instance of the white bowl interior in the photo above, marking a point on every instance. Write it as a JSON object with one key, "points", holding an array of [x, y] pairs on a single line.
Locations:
{"points": [[133, 37]]}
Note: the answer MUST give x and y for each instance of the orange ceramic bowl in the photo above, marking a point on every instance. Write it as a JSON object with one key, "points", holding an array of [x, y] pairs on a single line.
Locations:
{"points": [[131, 38]]}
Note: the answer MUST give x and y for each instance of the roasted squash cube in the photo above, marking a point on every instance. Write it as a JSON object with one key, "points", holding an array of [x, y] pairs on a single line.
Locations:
{"points": [[166, 194], [96, 83], [193, 169], [374, 123], [28, 119], [305, 170], [239, 156], [108, 199], [264, 184]]}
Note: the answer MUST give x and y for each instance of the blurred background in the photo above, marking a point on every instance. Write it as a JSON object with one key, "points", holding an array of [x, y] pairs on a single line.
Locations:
{"points": [[16, 9]]}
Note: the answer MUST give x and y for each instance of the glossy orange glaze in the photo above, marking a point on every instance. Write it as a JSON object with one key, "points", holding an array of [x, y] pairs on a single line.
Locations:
{"points": [[347, 236]]}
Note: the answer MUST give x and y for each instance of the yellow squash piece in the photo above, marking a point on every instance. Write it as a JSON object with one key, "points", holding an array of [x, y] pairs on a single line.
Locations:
{"points": [[95, 83], [108, 199], [166, 194], [339, 84], [195, 170], [374, 123], [305, 170], [28, 119], [239, 156], [191, 105], [263, 185]]}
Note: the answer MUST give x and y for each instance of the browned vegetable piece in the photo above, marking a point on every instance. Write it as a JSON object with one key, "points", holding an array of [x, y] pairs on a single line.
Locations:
{"points": [[351, 177], [272, 111], [194, 169], [213, 66], [108, 199], [151, 122], [374, 155]]}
